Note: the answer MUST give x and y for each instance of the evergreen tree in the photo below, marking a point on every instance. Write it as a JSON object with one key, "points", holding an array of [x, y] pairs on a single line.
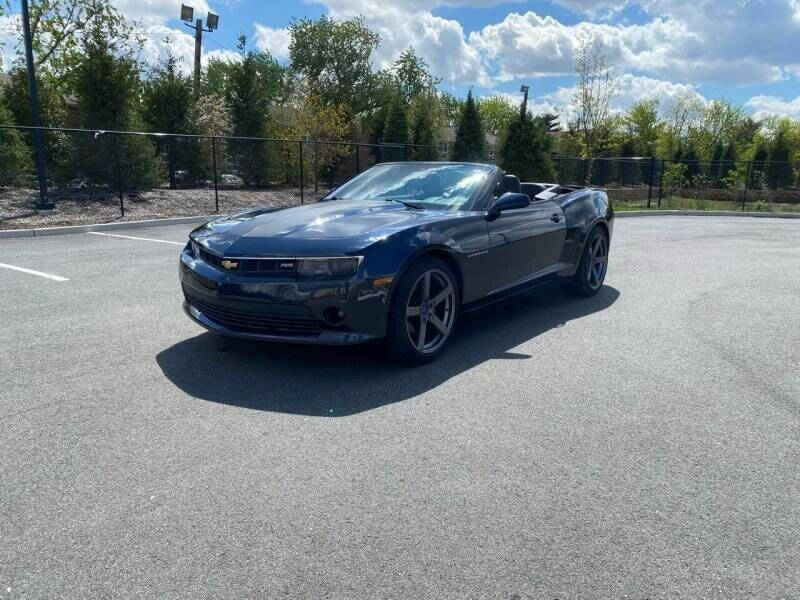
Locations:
{"points": [[600, 173], [423, 134], [759, 166], [470, 140], [106, 85], [716, 164], [251, 86], [377, 131], [525, 152], [690, 159], [760, 157], [168, 101], [728, 161], [779, 168], [629, 171], [548, 122], [15, 157], [58, 149], [396, 129]]}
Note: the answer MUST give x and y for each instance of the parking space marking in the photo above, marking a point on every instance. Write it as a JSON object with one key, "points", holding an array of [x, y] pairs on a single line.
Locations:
{"points": [[142, 239], [32, 272]]}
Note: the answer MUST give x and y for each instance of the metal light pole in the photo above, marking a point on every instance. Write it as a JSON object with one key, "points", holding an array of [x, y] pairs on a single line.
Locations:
{"points": [[524, 89], [212, 22], [33, 99]]}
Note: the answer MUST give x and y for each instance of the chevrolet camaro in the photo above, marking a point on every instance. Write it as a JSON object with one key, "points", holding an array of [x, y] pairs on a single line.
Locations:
{"points": [[400, 252]]}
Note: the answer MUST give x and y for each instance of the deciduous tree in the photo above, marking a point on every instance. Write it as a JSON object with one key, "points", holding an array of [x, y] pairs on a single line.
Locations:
{"points": [[335, 57], [597, 85]]}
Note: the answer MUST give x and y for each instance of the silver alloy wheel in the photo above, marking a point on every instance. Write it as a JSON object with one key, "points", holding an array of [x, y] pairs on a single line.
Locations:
{"points": [[430, 311], [598, 261]]}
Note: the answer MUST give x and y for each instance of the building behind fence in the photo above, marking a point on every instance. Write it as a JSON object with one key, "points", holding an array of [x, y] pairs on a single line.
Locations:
{"points": [[147, 174]]}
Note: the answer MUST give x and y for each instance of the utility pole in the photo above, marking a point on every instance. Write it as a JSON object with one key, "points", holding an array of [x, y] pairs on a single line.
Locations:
{"points": [[212, 22], [524, 89], [198, 49], [33, 99]]}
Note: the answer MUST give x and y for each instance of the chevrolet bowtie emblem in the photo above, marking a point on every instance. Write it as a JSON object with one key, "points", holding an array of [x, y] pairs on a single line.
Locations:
{"points": [[229, 264]]}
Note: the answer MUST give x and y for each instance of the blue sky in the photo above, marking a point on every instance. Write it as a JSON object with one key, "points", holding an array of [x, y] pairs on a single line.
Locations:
{"points": [[743, 50]]}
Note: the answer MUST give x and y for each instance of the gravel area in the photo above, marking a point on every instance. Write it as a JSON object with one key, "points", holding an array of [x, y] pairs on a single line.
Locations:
{"points": [[17, 206]]}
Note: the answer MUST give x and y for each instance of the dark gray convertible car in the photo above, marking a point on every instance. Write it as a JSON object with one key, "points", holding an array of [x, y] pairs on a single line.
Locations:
{"points": [[398, 252]]}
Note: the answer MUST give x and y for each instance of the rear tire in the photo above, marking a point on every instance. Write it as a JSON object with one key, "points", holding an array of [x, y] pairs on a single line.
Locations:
{"points": [[591, 273], [423, 313]]}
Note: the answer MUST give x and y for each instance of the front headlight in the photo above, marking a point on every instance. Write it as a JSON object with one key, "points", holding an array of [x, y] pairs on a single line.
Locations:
{"points": [[324, 268]]}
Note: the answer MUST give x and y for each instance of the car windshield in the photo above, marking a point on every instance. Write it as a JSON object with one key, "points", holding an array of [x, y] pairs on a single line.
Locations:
{"points": [[436, 186]]}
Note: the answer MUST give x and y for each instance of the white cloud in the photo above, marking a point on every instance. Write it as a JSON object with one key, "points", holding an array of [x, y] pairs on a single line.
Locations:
{"points": [[159, 11], [441, 42], [632, 88], [772, 105], [274, 41], [8, 39], [181, 44], [182, 47], [530, 45]]}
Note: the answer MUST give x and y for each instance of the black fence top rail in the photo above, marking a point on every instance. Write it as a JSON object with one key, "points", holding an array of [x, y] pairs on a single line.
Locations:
{"points": [[98, 132]]}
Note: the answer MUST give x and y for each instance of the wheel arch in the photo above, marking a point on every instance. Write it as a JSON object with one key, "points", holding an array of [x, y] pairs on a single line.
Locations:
{"points": [[602, 225], [441, 252]]}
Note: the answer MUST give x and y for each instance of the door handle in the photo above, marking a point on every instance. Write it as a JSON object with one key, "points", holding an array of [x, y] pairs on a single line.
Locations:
{"points": [[555, 218]]}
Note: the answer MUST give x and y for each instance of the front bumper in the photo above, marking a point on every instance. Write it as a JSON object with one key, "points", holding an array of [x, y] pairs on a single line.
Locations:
{"points": [[282, 309]]}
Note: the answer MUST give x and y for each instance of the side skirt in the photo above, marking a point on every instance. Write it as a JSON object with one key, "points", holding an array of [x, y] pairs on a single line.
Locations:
{"points": [[529, 283]]}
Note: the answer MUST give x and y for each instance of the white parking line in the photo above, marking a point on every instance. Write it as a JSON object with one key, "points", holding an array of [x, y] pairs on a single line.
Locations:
{"points": [[32, 272], [130, 237]]}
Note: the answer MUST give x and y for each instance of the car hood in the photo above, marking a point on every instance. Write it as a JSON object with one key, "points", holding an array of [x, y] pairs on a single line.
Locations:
{"points": [[337, 227]]}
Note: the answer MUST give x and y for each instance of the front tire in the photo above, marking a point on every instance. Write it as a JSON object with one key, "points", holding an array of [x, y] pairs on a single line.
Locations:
{"points": [[591, 273], [424, 311]]}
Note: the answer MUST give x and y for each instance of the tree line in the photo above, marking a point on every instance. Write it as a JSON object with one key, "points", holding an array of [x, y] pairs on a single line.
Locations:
{"points": [[703, 144], [91, 76]]}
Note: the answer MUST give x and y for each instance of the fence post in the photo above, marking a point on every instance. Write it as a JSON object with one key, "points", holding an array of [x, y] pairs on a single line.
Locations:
{"points": [[652, 176], [405, 152], [119, 176], [214, 161], [358, 159], [746, 183], [583, 176], [316, 170], [660, 183], [302, 200]]}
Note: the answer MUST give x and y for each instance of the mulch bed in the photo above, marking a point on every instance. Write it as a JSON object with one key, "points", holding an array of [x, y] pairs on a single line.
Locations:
{"points": [[17, 206]]}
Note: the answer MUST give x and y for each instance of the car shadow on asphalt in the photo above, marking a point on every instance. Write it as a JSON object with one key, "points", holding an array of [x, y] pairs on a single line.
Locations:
{"points": [[335, 381]]}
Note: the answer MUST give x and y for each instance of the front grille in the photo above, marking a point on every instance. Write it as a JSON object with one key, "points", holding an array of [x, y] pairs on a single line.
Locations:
{"points": [[259, 323], [244, 266]]}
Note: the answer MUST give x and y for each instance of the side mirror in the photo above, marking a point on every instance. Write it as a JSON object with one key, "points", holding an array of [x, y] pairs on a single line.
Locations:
{"points": [[508, 201]]}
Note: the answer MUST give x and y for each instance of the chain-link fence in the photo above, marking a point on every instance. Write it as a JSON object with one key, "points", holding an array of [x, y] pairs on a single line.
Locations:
{"points": [[95, 176], [648, 182]]}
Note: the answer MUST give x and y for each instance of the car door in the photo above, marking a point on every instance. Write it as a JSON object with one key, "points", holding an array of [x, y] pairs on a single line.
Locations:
{"points": [[525, 243]]}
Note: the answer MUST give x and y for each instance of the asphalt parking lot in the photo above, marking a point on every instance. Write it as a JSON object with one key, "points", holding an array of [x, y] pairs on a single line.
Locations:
{"points": [[640, 444]]}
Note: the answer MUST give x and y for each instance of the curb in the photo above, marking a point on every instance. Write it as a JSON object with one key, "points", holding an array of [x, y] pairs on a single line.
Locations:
{"points": [[704, 213], [19, 233]]}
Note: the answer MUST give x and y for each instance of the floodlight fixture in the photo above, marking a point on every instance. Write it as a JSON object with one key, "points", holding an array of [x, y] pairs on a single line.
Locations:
{"points": [[212, 21], [187, 13]]}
